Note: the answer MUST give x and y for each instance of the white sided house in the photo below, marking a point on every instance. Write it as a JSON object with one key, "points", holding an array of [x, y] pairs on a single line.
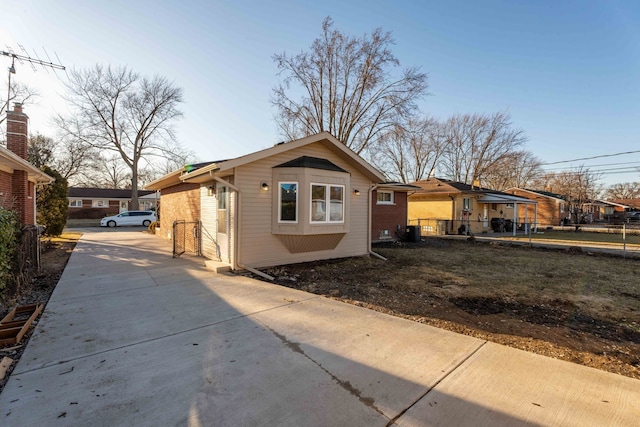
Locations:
{"points": [[304, 200]]}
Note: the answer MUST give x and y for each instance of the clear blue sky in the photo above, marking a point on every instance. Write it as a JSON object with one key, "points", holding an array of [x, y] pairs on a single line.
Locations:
{"points": [[568, 72]]}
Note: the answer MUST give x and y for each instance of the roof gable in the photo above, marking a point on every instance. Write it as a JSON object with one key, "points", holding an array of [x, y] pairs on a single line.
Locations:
{"points": [[219, 168]]}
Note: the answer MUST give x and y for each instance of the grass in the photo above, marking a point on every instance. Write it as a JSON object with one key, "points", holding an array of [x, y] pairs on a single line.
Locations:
{"points": [[607, 287]]}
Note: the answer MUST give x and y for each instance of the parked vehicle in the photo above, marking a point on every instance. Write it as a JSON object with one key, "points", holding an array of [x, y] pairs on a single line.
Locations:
{"points": [[633, 217], [143, 218]]}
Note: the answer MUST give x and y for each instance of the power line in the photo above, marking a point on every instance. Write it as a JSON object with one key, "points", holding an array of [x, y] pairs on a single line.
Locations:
{"points": [[590, 158]]}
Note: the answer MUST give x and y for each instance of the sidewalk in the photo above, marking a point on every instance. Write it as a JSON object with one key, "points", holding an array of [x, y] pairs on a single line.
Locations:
{"points": [[134, 337]]}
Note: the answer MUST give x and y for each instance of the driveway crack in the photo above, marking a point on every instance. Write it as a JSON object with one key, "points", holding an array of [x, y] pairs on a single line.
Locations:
{"points": [[401, 413], [295, 347]]}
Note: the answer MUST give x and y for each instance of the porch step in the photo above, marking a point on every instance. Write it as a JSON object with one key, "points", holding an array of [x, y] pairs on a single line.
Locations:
{"points": [[217, 266]]}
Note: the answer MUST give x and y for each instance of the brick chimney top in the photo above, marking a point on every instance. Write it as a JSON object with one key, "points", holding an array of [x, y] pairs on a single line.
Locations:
{"points": [[17, 107]]}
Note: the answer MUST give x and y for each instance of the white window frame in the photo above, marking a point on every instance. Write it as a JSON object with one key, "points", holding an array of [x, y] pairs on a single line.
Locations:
{"points": [[280, 184], [327, 201], [385, 202], [74, 203], [467, 204], [99, 203]]}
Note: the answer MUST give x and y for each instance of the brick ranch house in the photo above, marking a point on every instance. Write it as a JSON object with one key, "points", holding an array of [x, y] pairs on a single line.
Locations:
{"points": [[95, 203], [19, 179], [304, 200]]}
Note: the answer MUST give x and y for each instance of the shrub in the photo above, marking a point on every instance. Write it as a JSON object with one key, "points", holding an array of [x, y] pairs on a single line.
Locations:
{"points": [[9, 236], [52, 204]]}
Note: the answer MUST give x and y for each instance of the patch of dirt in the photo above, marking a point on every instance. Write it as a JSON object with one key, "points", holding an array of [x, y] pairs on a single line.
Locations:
{"points": [[556, 328], [54, 258]]}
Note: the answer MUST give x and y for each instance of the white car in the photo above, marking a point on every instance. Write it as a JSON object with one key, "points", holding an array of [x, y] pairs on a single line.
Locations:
{"points": [[143, 218]]}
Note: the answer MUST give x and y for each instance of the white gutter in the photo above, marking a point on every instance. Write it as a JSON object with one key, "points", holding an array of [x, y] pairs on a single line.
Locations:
{"points": [[370, 209]]}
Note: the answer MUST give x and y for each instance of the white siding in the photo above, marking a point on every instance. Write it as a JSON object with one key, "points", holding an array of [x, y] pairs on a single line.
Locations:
{"points": [[208, 213]]}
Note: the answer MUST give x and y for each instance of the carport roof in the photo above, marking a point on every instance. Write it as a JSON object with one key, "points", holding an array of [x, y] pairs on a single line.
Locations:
{"points": [[504, 198]]}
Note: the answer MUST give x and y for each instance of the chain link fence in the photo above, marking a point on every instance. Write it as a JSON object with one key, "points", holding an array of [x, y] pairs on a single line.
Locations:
{"points": [[624, 236]]}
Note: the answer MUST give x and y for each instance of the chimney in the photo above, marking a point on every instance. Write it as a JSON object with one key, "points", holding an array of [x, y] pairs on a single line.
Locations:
{"points": [[17, 139]]}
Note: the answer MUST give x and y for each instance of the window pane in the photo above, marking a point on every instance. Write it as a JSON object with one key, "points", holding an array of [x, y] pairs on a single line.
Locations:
{"points": [[318, 203], [337, 198], [288, 201]]}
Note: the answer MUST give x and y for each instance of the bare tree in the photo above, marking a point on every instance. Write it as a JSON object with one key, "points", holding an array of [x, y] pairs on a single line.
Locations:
{"points": [[18, 92], [516, 169], [475, 144], [348, 88], [41, 150], [117, 110], [409, 153], [578, 186], [625, 190]]}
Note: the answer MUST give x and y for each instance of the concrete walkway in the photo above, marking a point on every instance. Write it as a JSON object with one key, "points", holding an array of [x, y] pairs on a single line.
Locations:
{"points": [[134, 337]]}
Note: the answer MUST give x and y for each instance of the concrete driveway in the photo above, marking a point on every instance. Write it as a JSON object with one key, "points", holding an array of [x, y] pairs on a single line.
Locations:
{"points": [[134, 337]]}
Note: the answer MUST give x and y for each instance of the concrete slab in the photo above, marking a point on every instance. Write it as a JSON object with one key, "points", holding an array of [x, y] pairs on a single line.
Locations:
{"points": [[390, 362], [502, 386], [232, 374]]}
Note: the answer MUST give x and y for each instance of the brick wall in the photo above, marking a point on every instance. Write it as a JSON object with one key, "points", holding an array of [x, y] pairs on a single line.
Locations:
{"points": [[549, 212], [388, 217], [6, 198], [180, 202]]}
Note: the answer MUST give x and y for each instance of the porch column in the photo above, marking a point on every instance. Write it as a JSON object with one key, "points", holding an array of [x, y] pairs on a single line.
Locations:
{"points": [[515, 217]]}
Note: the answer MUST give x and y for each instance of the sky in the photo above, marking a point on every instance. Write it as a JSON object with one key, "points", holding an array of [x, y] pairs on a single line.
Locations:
{"points": [[568, 72]]}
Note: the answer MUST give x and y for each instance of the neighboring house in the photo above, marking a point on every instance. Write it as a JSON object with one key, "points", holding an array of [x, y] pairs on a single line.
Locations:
{"points": [[300, 201], [94, 203], [624, 205], [552, 208], [389, 211], [447, 207], [602, 210], [19, 179]]}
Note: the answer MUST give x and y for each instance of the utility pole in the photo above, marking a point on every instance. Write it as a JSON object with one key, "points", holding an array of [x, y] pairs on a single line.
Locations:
{"points": [[32, 61]]}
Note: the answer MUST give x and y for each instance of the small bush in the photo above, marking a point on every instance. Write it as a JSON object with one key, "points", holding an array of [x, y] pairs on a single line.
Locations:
{"points": [[9, 236], [52, 204]]}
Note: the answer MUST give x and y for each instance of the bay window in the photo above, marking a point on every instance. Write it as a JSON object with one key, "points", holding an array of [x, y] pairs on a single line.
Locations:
{"points": [[327, 203]]}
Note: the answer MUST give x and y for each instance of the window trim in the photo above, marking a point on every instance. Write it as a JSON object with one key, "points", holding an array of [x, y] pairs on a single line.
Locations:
{"points": [[73, 203], [328, 204], [288, 221], [385, 202], [467, 204], [97, 203]]}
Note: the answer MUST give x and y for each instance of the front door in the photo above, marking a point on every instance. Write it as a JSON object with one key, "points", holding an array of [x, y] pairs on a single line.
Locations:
{"points": [[223, 222], [124, 206]]}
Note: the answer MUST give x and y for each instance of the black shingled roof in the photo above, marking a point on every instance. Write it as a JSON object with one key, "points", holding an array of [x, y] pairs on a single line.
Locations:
{"points": [[311, 162]]}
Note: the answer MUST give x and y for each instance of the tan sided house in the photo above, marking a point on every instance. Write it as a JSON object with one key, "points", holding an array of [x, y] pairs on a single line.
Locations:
{"points": [[442, 206], [299, 201]]}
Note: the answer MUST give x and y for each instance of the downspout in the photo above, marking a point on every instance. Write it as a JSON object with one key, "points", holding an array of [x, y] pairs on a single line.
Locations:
{"points": [[515, 217], [453, 213], [235, 265], [369, 222]]}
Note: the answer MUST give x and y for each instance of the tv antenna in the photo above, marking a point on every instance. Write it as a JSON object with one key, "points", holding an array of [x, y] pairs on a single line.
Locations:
{"points": [[33, 61]]}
